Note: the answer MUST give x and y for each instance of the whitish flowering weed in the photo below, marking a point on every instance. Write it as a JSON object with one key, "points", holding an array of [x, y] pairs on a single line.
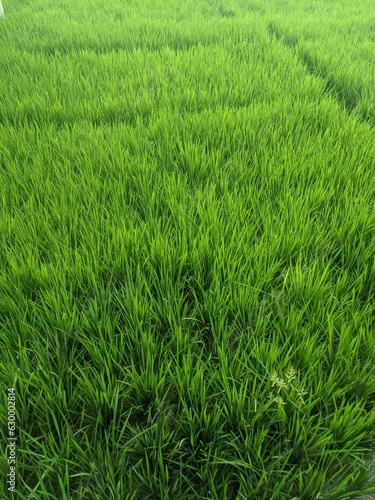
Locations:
{"points": [[286, 389]]}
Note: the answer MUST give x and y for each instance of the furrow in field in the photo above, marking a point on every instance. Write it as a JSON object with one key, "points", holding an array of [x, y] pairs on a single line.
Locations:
{"points": [[350, 96]]}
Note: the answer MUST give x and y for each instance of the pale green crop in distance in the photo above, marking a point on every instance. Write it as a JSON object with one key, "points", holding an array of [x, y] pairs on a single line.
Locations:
{"points": [[187, 252]]}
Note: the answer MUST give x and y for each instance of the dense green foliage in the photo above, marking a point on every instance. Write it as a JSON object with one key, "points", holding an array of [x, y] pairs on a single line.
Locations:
{"points": [[187, 248]]}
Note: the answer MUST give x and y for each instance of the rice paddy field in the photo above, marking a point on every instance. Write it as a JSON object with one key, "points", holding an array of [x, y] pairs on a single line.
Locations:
{"points": [[187, 249]]}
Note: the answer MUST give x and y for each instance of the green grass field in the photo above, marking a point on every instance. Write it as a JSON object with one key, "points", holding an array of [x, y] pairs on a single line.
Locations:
{"points": [[187, 249]]}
